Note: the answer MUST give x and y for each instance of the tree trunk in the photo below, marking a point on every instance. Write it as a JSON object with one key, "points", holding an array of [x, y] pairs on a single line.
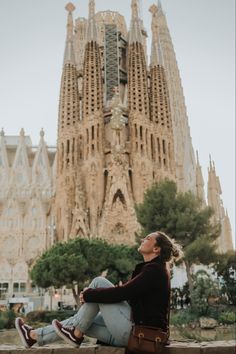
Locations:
{"points": [[76, 295], [189, 277]]}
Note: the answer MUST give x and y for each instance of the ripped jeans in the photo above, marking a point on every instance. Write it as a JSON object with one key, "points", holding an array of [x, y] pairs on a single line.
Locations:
{"points": [[109, 323]]}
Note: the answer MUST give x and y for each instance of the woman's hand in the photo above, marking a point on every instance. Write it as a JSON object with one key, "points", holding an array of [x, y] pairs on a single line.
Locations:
{"points": [[81, 296]]}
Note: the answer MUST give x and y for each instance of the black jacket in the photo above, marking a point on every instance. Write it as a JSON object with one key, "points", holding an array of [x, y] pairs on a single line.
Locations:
{"points": [[148, 293]]}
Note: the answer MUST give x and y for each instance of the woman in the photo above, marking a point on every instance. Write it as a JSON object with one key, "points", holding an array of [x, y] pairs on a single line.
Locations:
{"points": [[107, 312]]}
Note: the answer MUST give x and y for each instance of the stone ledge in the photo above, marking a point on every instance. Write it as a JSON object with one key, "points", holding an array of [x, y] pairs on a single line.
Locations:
{"points": [[218, 347]]}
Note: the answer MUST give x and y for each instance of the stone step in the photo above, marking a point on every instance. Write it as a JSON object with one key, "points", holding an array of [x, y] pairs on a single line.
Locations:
{"points": [[218, 347]]}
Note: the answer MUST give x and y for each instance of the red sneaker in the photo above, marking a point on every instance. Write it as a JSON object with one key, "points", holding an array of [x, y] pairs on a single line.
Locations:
{"points": [[67, 333], [24, 333]]}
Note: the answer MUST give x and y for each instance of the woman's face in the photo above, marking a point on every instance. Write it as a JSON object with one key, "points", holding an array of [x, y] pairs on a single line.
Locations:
{"points": [[148, 245]]}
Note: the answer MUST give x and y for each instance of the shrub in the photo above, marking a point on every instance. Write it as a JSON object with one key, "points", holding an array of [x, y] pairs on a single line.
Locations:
{"points": [[2, 323], [35, 316], [48, 316], [227, 317], [7, 319], [183, 317]]}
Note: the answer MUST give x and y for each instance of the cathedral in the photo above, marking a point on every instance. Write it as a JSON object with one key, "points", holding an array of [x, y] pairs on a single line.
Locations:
{"points": [[122, 126]]}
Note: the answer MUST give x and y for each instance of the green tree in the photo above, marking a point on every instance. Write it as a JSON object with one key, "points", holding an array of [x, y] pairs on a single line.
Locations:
{"points": [[181, 216], [225, 268], [71, 264], [203, 288], [75, 263], [122, 261]]}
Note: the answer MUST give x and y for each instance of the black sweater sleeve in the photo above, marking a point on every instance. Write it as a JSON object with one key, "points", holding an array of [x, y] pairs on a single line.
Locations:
{"points": [[134, 288]]}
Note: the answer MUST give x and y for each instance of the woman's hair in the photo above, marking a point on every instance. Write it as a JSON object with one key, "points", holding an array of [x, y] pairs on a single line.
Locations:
{"points": [[169, 248]]}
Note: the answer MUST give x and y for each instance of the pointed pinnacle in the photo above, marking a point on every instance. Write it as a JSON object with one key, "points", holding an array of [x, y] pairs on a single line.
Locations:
{"points": [[2, 132], [91, 8], [92, 27], [160, 5], [210, 161], [197, 156], [135, 34], [42, 133], [160, 9]]}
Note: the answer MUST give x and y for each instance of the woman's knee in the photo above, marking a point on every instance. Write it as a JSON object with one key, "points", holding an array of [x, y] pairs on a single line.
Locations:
{"points": [[100, 282]]}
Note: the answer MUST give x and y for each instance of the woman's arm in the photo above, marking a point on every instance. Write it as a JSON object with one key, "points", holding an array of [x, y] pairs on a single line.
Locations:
{"points": [[135, 287]]}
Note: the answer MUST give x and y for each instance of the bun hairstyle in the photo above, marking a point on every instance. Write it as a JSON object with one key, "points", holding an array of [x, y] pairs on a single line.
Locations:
{"points": [[170, 250]]}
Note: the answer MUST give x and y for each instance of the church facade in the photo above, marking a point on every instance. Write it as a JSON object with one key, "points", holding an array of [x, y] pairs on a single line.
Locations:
{"points": [[122, 127]]}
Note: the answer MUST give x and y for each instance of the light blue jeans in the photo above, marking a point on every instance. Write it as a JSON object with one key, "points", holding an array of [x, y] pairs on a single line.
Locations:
{"points": [[109, 323]]}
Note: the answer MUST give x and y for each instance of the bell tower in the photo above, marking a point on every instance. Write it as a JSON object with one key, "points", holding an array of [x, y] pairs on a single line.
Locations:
{"points": [[68, 122]]}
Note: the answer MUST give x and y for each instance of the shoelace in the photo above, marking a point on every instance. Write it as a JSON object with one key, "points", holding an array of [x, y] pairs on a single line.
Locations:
{"points": [[28, 327], [69, 327]]}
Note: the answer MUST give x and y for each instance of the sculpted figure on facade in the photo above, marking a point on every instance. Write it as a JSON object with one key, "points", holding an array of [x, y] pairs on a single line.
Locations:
{"points": [[80, 225]]}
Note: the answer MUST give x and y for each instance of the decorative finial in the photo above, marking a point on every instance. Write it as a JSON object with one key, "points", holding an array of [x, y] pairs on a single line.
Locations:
{"points": [[134, 7], [153, 9], [22, 132], [70, 7], [69, 56], [42, 133], [2, 132]]}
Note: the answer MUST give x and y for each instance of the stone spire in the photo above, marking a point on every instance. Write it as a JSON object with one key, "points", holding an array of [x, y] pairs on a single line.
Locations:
{"points": [[156, 51], [160, 112], [92, 71], [214, 196], [227, 245], [214, 200], [92, 29], [67, 142], [184, 153], [21, 166], [69, 96], [69, 56], [4, 164], [159, 93], [135, 34], [41, 170], [214, 192], [137, 68], [200, 182]]}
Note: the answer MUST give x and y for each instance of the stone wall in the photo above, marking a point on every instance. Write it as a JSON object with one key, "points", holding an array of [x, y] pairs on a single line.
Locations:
{"points": [[223, 347]]}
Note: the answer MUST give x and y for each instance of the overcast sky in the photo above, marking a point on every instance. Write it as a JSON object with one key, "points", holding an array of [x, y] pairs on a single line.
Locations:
{"points": [[32, 38]]}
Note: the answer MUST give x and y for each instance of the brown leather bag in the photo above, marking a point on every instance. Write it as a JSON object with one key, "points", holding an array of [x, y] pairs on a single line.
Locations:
{"points": [[146, 339]]}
